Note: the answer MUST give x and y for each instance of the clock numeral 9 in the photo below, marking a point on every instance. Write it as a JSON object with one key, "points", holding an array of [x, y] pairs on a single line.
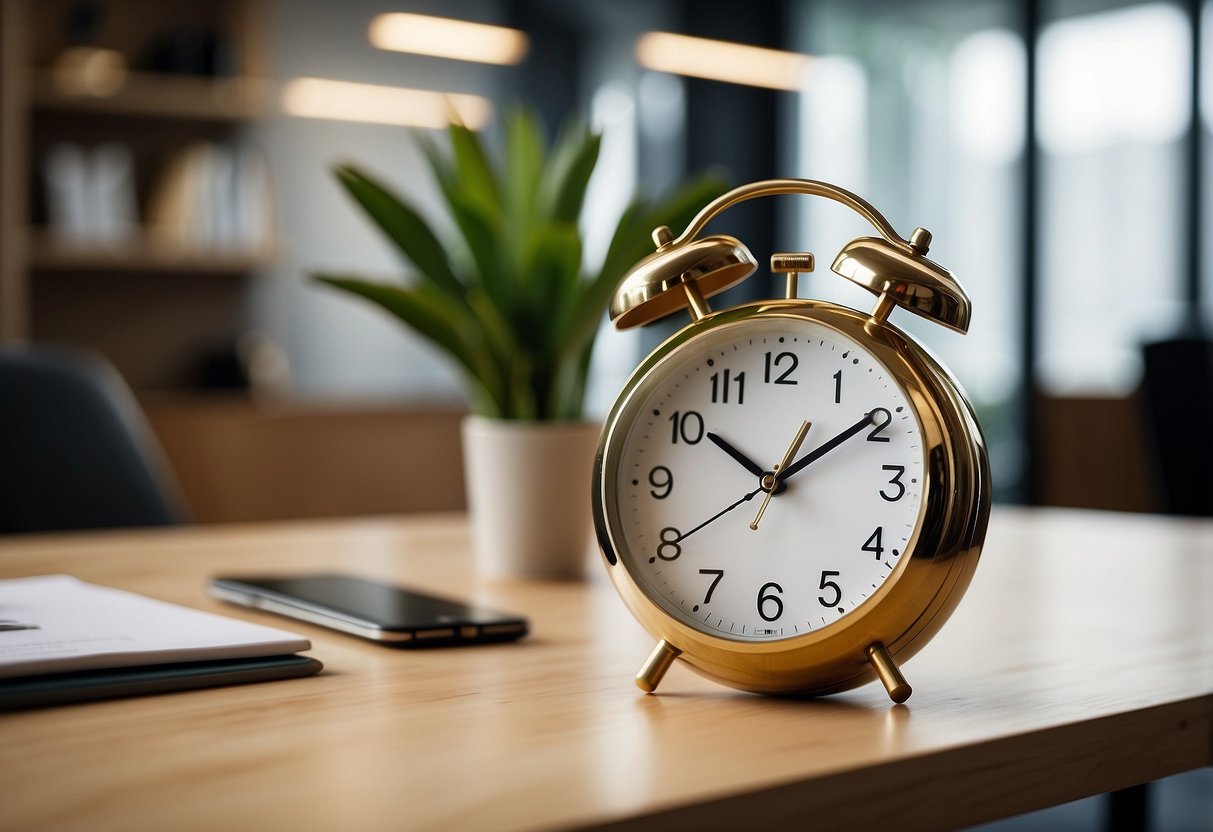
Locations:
{"points": [[827, 584], [788, 358], [661, 477], [896, 480], [669, 548], [765, 598], [880, 421], [688, 426]]}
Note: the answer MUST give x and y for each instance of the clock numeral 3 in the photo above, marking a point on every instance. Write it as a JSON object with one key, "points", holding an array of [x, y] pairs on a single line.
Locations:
{"points": [[765, 598], [687, 426], [896, 480]]}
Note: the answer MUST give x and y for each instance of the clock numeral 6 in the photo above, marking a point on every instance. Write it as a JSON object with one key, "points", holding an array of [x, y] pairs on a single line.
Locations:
{"points": [[688, 426], [661, 477], [765, 598], [896, 480]]}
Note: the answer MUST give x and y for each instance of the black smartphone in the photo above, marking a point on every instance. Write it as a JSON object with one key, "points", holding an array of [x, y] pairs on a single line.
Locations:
{"points": [[372, 609]]}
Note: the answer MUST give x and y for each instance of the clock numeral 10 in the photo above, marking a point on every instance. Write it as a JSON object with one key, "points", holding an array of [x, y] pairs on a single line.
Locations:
{"points": [[687, 426], [721, 386]]}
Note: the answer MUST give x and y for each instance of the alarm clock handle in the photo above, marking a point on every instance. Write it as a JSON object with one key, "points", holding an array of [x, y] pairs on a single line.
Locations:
{"points": [[775, 187]]}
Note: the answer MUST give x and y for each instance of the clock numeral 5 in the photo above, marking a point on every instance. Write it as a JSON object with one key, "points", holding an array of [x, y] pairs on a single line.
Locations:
{"points": [[896, 480], [827, 584]]}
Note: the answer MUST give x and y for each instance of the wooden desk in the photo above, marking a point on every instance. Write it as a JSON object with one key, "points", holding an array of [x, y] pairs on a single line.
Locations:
{"points": [[1081, 661]]}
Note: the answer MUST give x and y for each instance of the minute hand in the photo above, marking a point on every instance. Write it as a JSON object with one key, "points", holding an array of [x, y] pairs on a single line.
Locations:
{"points": [[823, 449]]}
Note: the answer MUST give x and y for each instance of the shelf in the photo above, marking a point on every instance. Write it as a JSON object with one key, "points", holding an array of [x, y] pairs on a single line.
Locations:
{"points": [[160, 96], [49, 255]]}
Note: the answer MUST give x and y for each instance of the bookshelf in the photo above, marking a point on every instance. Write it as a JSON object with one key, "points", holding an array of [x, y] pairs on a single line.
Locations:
{"points": [[151, 303]]}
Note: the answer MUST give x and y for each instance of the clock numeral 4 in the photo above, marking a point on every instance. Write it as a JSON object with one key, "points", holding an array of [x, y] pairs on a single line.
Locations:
{"points": [[873, 543]]}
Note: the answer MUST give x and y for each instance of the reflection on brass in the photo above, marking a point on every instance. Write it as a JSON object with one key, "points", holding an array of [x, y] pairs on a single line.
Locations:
{"points": [[890, 674], [655, 667], [660, 284]]}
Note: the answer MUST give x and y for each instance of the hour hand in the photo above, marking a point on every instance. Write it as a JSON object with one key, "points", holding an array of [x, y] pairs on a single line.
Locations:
{"points": [[745, 461]]}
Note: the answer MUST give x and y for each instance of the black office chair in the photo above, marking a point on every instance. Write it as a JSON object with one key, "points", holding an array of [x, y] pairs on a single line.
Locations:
{"points": [[75, 449]]}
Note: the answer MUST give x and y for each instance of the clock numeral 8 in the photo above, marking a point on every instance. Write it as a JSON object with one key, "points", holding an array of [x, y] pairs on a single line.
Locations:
{"points": [[670, 538]]}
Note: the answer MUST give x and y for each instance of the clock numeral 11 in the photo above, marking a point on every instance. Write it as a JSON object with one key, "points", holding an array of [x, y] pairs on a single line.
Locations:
{"points": [[721, 386]]}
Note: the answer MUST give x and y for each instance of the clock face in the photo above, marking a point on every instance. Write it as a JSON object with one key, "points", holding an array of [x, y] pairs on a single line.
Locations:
{"points": [[698, 444]]}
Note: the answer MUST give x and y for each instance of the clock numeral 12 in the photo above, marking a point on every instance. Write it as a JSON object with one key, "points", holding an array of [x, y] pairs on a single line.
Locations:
{"points": [[723, 388], [782, 358]]}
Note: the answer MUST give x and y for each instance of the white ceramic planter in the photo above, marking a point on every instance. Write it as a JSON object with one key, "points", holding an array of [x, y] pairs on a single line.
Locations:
{"points": [[528, 489]]}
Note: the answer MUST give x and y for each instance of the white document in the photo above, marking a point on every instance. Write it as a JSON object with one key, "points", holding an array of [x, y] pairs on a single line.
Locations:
{"points": [[57, 623]]}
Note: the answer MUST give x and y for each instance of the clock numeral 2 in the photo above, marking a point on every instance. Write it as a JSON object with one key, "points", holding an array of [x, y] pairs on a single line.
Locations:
{"points": [[722, 387], [880, 421], [688, 426]]}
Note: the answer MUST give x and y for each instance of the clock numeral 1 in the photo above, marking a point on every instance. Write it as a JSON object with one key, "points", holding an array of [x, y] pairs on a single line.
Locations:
{"points": [[788, 358], [873, 543], [766, 598], [838, 387], [827, 584], [722, 387], [896, 480], [688, 426]]}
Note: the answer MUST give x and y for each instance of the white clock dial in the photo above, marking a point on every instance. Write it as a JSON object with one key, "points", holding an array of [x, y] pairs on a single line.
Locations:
{"points": [[724, 409]]}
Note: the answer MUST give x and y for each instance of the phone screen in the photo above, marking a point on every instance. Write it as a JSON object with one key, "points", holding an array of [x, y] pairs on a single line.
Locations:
{"points": [[370, 608]]}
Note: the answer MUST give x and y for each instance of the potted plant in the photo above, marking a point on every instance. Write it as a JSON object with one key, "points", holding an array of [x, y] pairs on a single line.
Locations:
{"points": [[512, 303]]}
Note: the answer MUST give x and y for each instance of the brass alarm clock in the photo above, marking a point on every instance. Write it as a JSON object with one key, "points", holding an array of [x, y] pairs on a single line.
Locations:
{"points": [[790, 495]]}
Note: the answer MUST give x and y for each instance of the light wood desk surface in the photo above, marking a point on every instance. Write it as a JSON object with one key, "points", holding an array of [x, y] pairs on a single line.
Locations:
{"points": [[1080, 661]]}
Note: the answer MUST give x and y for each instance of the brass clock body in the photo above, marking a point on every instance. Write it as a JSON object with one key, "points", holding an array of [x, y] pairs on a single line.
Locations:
{"points": [[922, 566]]}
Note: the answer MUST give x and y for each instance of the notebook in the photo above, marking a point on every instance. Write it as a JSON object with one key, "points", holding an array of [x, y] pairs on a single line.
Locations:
{"points": [[65, 640]]}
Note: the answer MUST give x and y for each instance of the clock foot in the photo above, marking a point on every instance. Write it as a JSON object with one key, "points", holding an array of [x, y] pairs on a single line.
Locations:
{"points": [[890, 675], [654, 668]]}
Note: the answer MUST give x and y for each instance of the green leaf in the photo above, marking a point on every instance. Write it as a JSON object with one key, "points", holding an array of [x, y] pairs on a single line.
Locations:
{"points": [[474, 174], [525, 153], [568, 174], [551, 265], [434, 315], [404, 226]]}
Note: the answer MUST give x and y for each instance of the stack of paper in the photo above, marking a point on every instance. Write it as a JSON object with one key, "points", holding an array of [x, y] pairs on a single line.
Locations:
{"points": [[62, 639]]}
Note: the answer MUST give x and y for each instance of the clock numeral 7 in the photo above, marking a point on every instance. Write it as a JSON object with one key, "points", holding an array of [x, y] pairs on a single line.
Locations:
{"points": [[719, 573]]}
